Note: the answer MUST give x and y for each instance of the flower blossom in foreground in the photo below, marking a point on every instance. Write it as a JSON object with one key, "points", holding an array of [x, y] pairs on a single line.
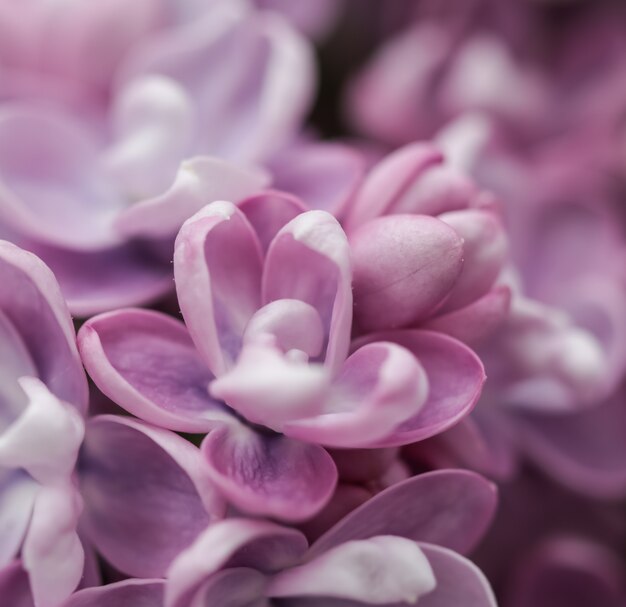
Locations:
{"points": [[69, 485], [263, 365]]}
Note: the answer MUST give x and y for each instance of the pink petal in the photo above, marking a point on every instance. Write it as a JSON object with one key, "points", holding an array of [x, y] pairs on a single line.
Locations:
{"points": [[459, 581], [146, 362], [269, 475], [146, 494], [455, 378], [269, 211], [452, 508], [15, 587], [217, 267], [199, 180], [402, 573], [309, 260], [232, 543], [240, 587], [17, 496], [404, 267], [380, 386], [30, 298], [129, 593]]}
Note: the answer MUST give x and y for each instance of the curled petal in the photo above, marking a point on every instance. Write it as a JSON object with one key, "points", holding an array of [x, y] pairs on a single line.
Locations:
{"points": [[269, 475], [380, 386], [403, 573], [239, 587], [256, 544], [146, 362], [309, 260], [146, 494], [451, 508], [404, 267], [129, 593], [217, 267]]}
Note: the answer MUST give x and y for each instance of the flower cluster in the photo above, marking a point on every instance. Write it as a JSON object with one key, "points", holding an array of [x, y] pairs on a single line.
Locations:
{"points": [[243, 364]]}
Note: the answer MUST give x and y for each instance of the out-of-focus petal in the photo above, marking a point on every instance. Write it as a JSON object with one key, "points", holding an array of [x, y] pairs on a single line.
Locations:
{"points": [[217, 268], [146, 362], [128, 593], [451, 508], [404, 267], [269, 475], [15, 587], [309, 260], [378, 571], [146, 494]]}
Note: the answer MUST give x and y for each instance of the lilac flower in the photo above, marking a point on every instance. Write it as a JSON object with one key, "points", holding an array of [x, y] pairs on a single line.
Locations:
{"points": [[399, 548], [262, 364], [56, 502]]}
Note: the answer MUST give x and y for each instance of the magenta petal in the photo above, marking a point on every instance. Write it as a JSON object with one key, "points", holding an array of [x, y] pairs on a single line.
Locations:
{"points": [[217, 267], [459, 581], [198, 181], [239, 587], [269, 475], [309, 260], [146, 494], [260, 545], [14, 586], [380, 386], [269, 211], [451, 508], [30, 298], [455, 378], [129, 593], [404, 267], [146, 362]]}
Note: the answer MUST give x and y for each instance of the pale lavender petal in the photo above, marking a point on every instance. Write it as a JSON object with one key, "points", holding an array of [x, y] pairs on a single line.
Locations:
{"points": [[485, 250], [15, 587], [459, 581], [269, 211], [389, 181], [217, 267], [30, 298], [50, 187], [52, 553], [146, 494], [146, 362], [129, 593], [17, 497], [198, 181], [451, 508], [404, 267], [380, 386], [239, 587], [97, 281], [260, 545], [269, 475], [455, 379], [476, 322], [309, 260], [402, 573]]}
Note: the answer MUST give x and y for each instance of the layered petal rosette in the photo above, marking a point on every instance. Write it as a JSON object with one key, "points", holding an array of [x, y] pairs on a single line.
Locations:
{"points": [[263, 365]]}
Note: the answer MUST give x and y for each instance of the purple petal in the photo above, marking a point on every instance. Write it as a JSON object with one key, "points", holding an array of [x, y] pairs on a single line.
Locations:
{"points": [[260, 545], [402, 573], [17, 496], [390, 180], [15, 587], [146, 362], [129, 593], [309, 260], [98, 281], [269, 211], [238, 587], [459, 581], [455, 379], [199, 180], [31, 300], [146, 494], [452, 508], [476, 322], [269, 475], [380, 386], [404, 267], [217, 266]]}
